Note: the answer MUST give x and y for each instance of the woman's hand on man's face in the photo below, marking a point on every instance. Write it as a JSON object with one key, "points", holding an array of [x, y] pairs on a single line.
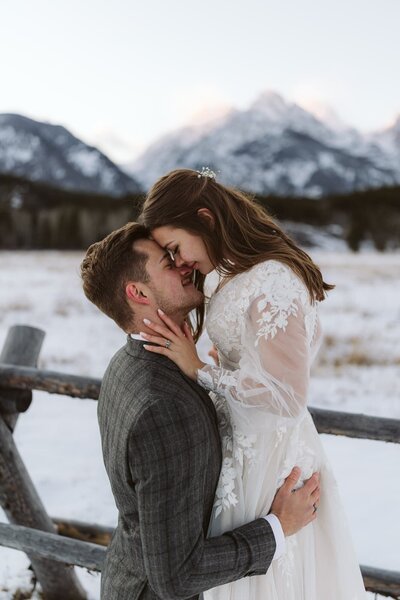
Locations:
{"points": [[175, 343]]}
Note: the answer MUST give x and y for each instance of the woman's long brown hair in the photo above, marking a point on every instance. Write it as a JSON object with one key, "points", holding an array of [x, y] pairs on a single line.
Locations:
{"points": [[243, 233]]}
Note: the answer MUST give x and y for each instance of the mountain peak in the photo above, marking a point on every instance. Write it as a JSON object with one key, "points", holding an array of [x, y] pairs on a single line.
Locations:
{"points": [[275, 146], [271, 104]]}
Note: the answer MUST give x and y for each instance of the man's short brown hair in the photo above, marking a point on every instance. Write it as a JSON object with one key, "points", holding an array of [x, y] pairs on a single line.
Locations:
{"points": [[109, 265]]}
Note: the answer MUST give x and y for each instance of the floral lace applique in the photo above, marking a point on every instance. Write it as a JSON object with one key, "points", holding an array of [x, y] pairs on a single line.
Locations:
{"points": [[236, 447], [273, 319], [310, 321], [280, 433], [286, 561], [211, 378], [280, 295], [225, 495], [301, 455], [282, 291]]}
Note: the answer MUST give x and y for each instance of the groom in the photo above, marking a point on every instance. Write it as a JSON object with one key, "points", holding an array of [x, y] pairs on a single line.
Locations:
{"points": [[161, 445]]}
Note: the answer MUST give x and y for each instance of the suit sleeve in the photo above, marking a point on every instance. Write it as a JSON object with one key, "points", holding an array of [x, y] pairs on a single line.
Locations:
{"points": [[168, 460]]}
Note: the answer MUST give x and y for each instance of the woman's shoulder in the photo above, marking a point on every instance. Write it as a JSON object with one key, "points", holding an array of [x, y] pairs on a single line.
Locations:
{"points": [[270, 266], [276, 280], [271, 270], [270, 278]]}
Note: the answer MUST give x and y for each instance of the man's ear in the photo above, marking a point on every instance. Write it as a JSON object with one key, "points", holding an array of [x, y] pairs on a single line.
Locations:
{"points": [[137, 293], [207, 215]]}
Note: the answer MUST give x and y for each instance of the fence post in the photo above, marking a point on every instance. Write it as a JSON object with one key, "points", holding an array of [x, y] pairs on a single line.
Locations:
{"points": [[22, 347], [18, 496]]}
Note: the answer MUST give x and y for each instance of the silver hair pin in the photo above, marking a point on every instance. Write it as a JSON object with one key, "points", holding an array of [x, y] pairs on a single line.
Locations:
{"points": [[206, 172]]}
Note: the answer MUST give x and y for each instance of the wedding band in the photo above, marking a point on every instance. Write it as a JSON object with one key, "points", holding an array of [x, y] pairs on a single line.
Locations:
{"points": [[168, 343]]}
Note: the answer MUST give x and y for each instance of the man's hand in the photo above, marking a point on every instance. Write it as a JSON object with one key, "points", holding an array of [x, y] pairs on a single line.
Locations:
{"points": [[296, 508]]}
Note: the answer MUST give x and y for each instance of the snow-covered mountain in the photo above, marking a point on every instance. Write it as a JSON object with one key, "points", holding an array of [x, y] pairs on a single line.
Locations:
{"points": [[389, 141], [278, 147], [51, 154]]}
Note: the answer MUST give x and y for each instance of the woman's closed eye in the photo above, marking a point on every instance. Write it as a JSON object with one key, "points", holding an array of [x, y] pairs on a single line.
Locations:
{"points": [[173, 251]]}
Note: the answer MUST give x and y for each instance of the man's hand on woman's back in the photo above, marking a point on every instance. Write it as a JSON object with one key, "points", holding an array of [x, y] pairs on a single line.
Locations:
{"points": [[296, 508]]}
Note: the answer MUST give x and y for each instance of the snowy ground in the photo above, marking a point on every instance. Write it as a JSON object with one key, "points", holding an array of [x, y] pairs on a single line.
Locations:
{"points": [[358, 370]]}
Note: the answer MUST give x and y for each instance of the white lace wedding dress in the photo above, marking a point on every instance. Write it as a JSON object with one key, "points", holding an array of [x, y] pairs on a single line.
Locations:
{"points": [[267, 333]]}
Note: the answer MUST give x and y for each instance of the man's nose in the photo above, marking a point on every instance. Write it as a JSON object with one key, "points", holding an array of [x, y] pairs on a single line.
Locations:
{"points": [[184, 270]]}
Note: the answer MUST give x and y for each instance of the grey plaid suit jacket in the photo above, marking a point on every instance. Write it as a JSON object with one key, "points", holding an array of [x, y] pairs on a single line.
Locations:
{"points": [[162, 453]]}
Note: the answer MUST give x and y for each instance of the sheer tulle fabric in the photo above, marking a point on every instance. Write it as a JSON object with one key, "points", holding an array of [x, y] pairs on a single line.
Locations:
{"points": [[273, 374], [267, 333]]}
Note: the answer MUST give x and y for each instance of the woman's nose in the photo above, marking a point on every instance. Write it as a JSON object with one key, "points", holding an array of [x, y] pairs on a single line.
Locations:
{"points": [[179, 262]]}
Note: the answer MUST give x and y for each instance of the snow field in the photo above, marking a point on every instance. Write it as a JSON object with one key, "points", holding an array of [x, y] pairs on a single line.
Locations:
{"points": [[357, 370]]}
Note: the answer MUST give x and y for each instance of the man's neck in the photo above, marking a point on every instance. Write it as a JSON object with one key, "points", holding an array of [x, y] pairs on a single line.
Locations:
{"points": [[139, 325]]}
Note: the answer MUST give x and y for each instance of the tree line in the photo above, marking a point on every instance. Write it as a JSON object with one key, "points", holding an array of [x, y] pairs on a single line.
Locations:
{"points": [[38, 216]]}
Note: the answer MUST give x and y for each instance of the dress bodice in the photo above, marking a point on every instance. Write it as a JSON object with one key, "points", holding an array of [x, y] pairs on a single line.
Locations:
{"points": [[227, 308]]}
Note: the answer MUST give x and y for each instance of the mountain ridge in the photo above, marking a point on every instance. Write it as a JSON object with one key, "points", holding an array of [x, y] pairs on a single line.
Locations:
{"points": [[51, 154], [278, 147]]}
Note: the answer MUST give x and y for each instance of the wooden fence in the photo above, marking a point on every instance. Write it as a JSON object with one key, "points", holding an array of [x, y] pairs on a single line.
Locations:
{"points": [[55, 544]]}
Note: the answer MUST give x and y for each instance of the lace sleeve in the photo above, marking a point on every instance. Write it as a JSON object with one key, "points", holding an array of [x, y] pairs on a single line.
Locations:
{"points": [[273, 373]]}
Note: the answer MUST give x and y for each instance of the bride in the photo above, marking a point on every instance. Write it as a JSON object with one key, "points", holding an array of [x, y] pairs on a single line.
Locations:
{"points": [[264, 323]]}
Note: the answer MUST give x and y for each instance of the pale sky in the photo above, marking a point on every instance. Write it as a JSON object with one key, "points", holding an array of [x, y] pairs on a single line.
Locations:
{"points": [[138, 69]]}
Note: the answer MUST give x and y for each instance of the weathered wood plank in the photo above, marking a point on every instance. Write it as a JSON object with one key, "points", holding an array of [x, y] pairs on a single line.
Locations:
{"points": [[52, 546], [376, 580], [53, 382], [23, 506], [356, 425], [21, 347], [327, 421], [87, 532], [92, 556], [18, 496], [379, 581]]}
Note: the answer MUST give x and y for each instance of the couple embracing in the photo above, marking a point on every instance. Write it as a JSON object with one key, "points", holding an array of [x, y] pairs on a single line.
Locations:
{"points": [[222, 486]]}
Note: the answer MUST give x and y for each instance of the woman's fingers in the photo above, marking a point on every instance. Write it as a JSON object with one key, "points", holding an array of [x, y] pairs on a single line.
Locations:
{"points": [[187, 331], [170, 323], [154, 339], [164, 331], [157, 349]]}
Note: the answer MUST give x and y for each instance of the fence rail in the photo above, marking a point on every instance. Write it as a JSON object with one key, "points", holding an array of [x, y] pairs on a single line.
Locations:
{"points": [[91, 556], [53, 543], [326, 421], [52, 546]]}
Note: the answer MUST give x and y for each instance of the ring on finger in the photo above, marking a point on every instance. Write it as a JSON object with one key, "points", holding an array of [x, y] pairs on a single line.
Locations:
{"points": [[168, 344]]}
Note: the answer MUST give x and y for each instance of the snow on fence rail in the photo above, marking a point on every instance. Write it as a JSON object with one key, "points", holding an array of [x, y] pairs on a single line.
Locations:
{"points": [[54, 544]]}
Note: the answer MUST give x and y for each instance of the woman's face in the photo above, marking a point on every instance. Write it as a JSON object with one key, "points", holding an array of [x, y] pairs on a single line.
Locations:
{"points": [[185, 248]]}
